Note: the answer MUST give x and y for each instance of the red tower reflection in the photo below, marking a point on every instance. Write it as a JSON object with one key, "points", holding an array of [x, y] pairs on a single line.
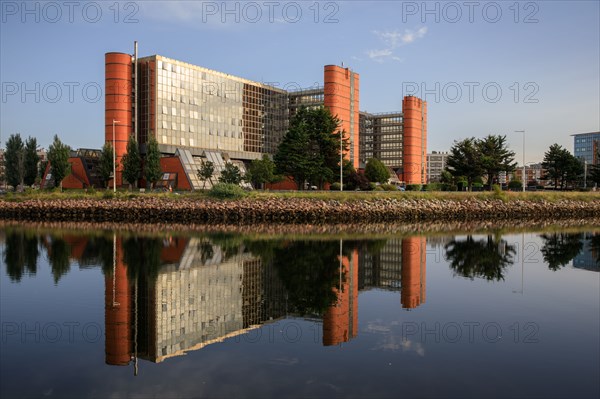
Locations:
{"points": [[340, 322], [413, 272], [117, 311]]}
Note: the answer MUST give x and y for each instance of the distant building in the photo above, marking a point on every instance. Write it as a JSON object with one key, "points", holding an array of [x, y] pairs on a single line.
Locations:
{"points": [[436, 163], [534, 174], [585, 146]]}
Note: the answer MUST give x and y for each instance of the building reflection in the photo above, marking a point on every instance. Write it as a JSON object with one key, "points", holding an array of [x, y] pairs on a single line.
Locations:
{"points": [[167, 296], [396, 265], [203, 294], [589, 256]]}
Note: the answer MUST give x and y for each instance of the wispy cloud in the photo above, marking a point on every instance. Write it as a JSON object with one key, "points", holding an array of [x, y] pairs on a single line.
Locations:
{"points": [[393, 40]]}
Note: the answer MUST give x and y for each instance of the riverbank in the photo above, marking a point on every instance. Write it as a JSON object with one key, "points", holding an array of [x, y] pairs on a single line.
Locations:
{"points": [[296, 208]]}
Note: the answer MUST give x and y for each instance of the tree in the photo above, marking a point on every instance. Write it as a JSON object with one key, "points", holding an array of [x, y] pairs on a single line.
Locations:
{"points": [[310, 150], [561, 166], [152, 170], [105, 168], [594, 170], [14, 161], [31, 161], [206, 172], [376, 171], [131, 163], [495, 157], [464, 160], [231, 174], [58, 156], [261, 171]]}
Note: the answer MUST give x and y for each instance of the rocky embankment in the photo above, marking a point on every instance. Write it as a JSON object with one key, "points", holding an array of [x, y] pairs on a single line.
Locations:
{"points": [[290, 210]]}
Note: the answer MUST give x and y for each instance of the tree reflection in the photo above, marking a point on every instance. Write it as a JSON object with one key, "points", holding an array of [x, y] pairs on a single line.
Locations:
{"points": [[560, 248], [595, 246], [21, 254], [309, 270], [58, 256], [142, 256], [486, 258]]}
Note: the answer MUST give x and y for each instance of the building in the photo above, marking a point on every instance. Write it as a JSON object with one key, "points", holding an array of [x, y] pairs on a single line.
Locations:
{"points": [[204, 113], [585, 146], [436, 163], [534, 174]]}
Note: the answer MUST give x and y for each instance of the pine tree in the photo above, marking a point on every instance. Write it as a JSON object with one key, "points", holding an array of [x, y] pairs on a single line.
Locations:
{"points": [[106, 165], [152, 170], [58, 156], [131, 163]]}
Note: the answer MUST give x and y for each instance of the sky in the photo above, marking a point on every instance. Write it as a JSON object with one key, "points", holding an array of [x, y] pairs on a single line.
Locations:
{"points": [[483, 67]]}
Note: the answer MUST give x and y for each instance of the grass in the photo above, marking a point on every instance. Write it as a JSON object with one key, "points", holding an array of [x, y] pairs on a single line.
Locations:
{"points": [[344, 196]]}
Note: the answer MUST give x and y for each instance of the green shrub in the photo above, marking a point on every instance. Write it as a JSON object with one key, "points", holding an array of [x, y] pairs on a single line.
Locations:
{"points": [[108, 194], [335, 186], [477, 187], [378, 188], [389, 187], [372, 186], [515, 185], [413, 187], [91, 190], [434, 187], [226, 190]]}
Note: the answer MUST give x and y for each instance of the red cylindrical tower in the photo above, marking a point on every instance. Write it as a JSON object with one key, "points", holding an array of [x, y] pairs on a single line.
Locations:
{"points": [[118, 104], [341, 97], [414, 137]]}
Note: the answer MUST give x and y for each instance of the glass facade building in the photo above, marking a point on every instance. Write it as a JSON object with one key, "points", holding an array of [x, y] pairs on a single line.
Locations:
{"points": [[585, 146], [199, 110]]}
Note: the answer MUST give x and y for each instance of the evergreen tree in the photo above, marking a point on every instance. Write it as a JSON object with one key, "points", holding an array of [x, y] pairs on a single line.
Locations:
{"points": [[31, 161], [152, 170], [131, 163], [495, 157], [594, 170], [14, 161], [261, 171], [310, 150], [464, 160], [231, 174], [58, 156], [106, 165], [376, 171], [561, 166], [206, 172]]}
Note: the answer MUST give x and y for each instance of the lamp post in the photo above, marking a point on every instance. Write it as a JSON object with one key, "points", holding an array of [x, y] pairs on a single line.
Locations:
{"points": [[341, 160], [114, 158], [524, 177]]}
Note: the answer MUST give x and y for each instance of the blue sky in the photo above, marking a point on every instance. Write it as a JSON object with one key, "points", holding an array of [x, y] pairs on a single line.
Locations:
{"points": [[483, 67]]}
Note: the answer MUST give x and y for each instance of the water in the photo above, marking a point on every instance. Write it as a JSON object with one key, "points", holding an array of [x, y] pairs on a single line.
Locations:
{"points": [[114, 314]]}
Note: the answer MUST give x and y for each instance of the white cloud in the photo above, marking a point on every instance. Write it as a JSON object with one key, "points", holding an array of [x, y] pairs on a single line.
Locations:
{"points": [[393, 40]]}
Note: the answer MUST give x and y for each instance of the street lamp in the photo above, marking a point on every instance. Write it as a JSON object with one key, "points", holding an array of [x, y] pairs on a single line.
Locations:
{"points": [[523, 177], [341, 160], [114, 158]]}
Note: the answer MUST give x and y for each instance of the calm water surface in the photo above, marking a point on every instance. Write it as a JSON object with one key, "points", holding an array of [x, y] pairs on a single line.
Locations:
{"points": [[111, 314]]}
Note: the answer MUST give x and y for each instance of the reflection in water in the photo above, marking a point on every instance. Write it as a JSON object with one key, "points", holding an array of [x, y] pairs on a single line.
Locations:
{"points": [[164, 297], [560, 248], [486, 258], [21, 254]]}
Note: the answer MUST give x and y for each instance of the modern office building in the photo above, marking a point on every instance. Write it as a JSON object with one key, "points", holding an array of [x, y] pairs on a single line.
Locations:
{"points": [[206, 113], [586, 145], [436, 163]]}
